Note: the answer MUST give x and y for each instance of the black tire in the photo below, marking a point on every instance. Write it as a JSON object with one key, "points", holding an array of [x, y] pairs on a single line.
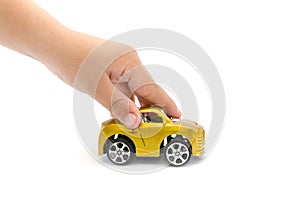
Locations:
{"points": [[120, 151], [178, 152]]}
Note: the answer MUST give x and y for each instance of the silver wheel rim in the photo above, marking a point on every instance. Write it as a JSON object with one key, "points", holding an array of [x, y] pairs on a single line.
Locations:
{"points": [[119, 152], [177, 153]]}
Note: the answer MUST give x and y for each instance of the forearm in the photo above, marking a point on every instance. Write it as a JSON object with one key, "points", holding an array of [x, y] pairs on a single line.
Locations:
{"points": [[28, 29]]}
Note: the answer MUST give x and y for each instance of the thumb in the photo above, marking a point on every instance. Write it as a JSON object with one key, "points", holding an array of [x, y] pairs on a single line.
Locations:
{"points": [[124, 109]]}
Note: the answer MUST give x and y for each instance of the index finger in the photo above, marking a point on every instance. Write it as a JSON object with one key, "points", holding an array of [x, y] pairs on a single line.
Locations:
{"points": [[153, 94], [148, 92]]}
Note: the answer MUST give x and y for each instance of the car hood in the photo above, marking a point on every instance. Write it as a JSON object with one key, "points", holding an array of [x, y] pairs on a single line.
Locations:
{"points": [[186, 123], [111, 121]]}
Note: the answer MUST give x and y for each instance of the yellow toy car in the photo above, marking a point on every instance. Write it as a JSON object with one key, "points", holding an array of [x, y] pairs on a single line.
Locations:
{"points": [[157, 134]]}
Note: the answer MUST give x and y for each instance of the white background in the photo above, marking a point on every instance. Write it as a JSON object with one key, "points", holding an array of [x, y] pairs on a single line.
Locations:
{"points": [[255, 46]]}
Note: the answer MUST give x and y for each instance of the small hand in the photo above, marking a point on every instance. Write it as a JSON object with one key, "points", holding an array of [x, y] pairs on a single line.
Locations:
{"points": [[121, 80]]}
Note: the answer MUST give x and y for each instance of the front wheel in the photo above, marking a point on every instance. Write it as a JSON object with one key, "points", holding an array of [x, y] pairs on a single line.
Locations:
{"points": [[178, 152], [120, 151]]}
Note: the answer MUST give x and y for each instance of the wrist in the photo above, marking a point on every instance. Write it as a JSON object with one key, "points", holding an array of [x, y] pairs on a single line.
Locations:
{"points": [[65, 51]]}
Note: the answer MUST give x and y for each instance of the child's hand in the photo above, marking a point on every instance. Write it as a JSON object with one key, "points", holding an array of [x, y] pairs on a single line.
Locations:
{"points": [[28, 29], [122, 76]]}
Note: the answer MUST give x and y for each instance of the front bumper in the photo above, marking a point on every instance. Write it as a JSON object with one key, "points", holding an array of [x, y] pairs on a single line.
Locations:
{"points": [[198, 142]]}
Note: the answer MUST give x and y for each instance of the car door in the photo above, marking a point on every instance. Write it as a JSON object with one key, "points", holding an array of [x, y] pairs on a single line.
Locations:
{"points": [[152, 124]]}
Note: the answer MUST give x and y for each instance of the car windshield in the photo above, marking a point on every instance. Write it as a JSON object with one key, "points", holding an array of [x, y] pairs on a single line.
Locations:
{"points": [[151, 117]]}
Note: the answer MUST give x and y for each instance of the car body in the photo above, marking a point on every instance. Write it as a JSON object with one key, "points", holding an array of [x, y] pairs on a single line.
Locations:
{"points": [[157, 134]]}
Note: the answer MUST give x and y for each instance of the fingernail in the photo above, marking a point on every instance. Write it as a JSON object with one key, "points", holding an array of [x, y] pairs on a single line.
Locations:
{"points": [[129, 120]]}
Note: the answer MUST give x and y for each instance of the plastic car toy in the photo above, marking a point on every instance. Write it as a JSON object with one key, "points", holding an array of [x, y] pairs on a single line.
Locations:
{"points": [[156, 135]]}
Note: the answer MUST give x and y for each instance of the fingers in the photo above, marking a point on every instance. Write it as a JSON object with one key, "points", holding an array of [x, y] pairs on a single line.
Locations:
{"points": [[153, 94], [97, 65], [148, 92], [120, 106], [125, 110], [122, 75], [123, 88]]}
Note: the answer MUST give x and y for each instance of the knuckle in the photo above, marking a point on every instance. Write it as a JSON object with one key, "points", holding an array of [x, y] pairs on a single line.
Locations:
{"points": [[146, 90]]}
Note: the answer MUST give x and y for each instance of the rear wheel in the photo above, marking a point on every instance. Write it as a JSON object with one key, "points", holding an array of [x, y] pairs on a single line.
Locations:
{"points": [[178, 152], [120, 151]]}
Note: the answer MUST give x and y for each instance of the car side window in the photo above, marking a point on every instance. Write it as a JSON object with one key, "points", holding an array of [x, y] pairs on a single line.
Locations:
{"points": [[151, 117]]}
